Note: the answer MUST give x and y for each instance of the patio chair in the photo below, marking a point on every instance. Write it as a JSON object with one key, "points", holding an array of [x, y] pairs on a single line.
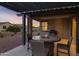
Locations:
{"points": [[38, 48], [65, 46]]}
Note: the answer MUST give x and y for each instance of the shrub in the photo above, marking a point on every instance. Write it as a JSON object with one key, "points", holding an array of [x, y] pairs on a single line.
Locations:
{"points": [[13, 28]]}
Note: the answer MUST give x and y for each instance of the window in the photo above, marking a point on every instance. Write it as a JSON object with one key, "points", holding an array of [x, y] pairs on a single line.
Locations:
{"points": [[4, 27], [44, 26]]}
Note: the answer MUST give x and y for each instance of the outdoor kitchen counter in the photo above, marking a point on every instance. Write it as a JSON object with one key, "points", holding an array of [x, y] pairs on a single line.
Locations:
{"points": [[48, 43]]}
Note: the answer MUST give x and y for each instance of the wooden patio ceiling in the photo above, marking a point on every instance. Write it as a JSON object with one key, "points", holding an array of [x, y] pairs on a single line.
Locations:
{"points": [[32, 6], [43, 8]]}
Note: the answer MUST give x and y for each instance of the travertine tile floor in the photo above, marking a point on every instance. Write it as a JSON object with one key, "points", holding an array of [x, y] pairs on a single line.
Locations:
{"points": [[18, 51], [22, 50]]}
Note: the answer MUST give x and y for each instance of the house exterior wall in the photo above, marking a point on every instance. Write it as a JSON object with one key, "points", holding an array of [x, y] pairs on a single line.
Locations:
{"points": [[6, 24], [60, 25]]}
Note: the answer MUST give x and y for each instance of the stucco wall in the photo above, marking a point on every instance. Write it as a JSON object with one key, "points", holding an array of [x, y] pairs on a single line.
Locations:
{"points": [[6, 24]]}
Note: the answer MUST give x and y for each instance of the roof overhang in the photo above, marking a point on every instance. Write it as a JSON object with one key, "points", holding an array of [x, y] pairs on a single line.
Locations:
{"points": [[39, 8]]}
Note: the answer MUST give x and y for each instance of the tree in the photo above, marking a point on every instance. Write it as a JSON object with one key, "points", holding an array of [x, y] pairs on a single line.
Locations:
{"points": [[13, 28]]}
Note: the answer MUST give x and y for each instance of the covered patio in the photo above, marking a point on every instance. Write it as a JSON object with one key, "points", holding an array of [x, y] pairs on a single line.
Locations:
{"points": [[58, 16]]}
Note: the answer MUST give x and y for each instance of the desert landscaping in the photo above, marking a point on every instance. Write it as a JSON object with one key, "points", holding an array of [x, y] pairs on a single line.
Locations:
{"points": [[9, 40]]}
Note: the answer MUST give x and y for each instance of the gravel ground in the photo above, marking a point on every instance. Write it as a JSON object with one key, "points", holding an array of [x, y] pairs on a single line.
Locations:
{"points": [[10, 42]]}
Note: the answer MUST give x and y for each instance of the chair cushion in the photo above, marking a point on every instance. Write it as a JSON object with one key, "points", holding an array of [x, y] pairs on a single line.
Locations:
{"points": [[62, 46]]}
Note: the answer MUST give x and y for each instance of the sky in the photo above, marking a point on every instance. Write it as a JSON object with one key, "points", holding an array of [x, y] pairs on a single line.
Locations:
{"points": [[7, 15]]}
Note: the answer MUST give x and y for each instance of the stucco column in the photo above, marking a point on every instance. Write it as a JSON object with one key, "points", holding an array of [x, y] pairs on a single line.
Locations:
{"points": [[74, 33], [29, 29], [29, 26]]}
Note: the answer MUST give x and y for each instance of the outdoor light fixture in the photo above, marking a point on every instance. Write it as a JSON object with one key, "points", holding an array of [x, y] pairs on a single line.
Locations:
{"points": [[19, 14]]}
